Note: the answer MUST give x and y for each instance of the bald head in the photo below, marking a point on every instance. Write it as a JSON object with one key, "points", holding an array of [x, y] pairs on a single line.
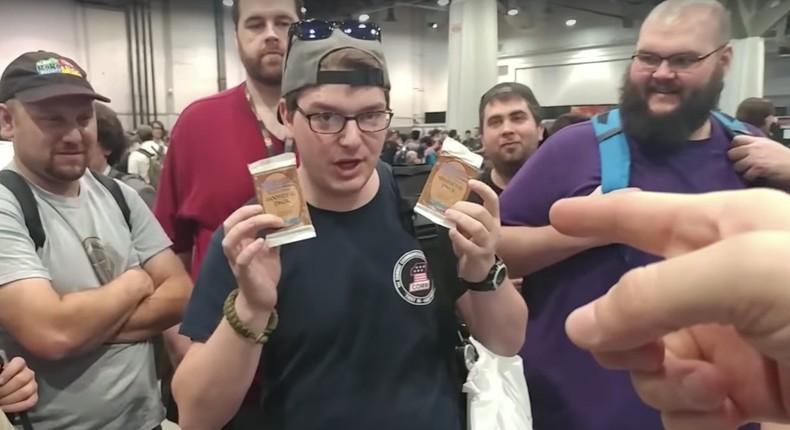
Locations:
{"points": [[708, 14]]}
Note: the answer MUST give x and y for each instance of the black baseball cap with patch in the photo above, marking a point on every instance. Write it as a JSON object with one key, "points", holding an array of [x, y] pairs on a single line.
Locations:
{"points": [[40, 75], [509, 88]]}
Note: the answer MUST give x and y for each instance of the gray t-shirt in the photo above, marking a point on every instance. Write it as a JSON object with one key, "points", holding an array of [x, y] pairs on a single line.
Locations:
{"points": [[114, 386]]}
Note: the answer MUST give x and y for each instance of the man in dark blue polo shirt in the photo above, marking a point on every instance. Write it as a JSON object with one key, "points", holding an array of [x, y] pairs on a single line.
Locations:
{"points": [[347, 328]]}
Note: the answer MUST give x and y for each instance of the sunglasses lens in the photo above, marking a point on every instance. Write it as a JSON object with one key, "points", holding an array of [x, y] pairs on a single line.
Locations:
{"points": [[361, 30], [312, 30]]}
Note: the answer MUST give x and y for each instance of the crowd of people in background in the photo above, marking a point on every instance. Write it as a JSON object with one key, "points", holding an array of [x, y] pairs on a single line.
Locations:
{"points": [[137, 280]]}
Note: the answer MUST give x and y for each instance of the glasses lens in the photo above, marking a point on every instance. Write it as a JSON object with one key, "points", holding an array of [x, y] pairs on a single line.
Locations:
{"points": [[327, 123], [361, 30], [683, 61], [311, 30], [373, 121]]}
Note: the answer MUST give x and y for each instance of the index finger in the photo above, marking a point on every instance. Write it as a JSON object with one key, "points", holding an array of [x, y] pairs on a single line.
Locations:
{"points": [[715, 285], [742, 140], [490, 198], [671, 224], [11, 368]]}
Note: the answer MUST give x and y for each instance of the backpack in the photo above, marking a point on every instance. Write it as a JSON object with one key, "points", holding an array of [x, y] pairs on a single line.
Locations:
{"points": [[24, 195], [616, 155], [156, 160], [408, 182]]}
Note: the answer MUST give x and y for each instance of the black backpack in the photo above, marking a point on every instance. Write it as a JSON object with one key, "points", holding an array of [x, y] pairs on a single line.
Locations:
{"points": [[24, 195], [408, 182]]}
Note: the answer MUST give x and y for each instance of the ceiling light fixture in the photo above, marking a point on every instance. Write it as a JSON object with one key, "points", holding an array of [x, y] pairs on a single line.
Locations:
{"points": [[513, 11], [228, 3], [442, 2], [364, 17], [304, 10], [433, 25], [570, 22]]}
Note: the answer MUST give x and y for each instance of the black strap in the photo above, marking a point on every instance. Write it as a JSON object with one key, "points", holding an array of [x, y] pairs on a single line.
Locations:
{"points": [[24, 421], [27, 201], [24, 195], [432, 240], [146, 153], [117, 194]]}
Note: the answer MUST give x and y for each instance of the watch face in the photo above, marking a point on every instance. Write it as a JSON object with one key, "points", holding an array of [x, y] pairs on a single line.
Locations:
{"points": [[500, 275]]}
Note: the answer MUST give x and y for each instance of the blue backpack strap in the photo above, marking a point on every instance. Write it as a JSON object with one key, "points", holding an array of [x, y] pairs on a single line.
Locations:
{"points": [[614, 151], [732, 126]]}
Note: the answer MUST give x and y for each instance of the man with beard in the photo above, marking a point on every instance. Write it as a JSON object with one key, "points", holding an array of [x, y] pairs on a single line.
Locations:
{"points": [[676, 145], [205, 176], [87, 276]]}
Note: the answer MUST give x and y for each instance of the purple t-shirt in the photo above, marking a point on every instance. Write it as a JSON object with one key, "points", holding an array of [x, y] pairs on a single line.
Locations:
{"points": [[568, 389]]}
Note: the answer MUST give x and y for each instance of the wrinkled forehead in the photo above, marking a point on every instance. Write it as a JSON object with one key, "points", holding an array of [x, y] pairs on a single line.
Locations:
{"points": [[678, 33]]}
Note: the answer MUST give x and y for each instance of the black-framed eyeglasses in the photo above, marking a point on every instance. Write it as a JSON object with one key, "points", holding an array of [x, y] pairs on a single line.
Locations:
{"points": [[676, 62], [316, 29], [333, 123]]}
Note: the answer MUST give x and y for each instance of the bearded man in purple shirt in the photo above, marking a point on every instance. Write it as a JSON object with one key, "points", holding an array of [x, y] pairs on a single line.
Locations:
{"points": [[676, 145]]}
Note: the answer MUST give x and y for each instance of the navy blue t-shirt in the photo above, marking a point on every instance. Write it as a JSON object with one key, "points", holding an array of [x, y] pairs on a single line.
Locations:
{"points": [[363, 340]]}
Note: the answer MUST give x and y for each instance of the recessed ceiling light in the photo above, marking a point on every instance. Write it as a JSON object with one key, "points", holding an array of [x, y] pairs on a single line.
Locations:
{"points": [[442, 2], [570, 22], [433, 25], [512, 11], [227, 3], [364, 17]]}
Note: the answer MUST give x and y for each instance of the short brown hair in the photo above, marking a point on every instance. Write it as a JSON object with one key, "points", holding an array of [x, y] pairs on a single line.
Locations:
{"points": [[342, 59], [506, 91], [235, 11], [755, 111]]}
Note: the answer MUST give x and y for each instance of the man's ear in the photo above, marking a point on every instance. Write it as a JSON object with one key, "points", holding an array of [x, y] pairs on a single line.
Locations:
{"points": [[726, 58], [286, 118], [6, 122]]}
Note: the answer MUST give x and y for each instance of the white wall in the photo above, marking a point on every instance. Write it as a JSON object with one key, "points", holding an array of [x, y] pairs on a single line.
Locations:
{"points": [[186, 64], [592, 74], [185, 52], [95, 37]]}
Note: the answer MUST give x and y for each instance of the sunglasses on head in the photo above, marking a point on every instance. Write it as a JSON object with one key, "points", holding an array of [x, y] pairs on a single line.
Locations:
{"points": [[316, 29]]}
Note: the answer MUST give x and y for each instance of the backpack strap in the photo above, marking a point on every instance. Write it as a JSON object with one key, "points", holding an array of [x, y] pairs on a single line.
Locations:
{"points": [[432, 241], [732, 126], [147, 153], [613, 149], [27, 200], [117, 193]]}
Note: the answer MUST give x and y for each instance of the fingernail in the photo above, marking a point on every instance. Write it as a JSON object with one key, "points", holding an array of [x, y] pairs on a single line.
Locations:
{"points": [[582, 326]]}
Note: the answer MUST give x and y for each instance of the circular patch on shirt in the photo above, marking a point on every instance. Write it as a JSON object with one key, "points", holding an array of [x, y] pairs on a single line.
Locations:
{"points": [[412, 279]]}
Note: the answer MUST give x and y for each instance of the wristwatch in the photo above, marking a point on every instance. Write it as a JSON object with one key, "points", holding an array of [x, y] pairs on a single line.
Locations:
{"points": [[496, 277]]}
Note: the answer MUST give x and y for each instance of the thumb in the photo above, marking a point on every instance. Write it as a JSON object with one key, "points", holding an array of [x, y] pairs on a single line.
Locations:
{"points": [[747, 282]]}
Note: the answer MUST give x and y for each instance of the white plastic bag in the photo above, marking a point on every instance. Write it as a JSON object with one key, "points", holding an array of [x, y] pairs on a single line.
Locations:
{"points": [[497, 393]]}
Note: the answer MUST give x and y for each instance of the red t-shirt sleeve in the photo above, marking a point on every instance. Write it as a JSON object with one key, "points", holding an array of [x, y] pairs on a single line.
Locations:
{"points": [[172, 191]]}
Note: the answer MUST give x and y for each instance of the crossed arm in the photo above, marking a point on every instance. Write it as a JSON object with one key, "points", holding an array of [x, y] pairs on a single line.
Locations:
{"points": [[133, 307], [162, 309]]}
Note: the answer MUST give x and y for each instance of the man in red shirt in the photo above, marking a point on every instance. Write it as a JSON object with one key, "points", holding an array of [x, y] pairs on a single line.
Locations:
{"points": [[205, 176]]}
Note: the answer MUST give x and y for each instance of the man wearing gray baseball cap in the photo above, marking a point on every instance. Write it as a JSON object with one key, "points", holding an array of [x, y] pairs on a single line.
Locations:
{"points": [[348, 328]]}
